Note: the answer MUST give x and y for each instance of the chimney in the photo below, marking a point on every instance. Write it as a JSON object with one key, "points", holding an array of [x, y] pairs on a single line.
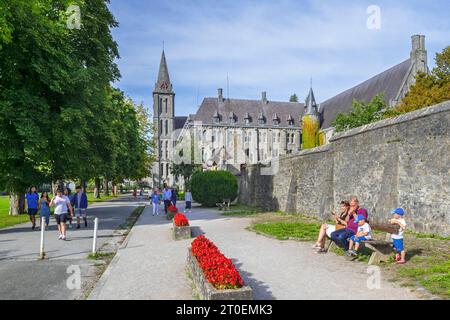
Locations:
{"points": [[264, 96], [220, 94], [419, 53]]}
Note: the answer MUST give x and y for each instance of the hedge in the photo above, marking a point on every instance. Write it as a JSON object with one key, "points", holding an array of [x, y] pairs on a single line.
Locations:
{"points": [[211, 187]]}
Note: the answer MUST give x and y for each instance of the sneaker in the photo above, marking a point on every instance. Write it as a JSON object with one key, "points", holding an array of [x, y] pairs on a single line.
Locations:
{"points": [[33, 227], [78, 226], [353, 253], [85, 223], [60, 237], [64, 238], [348, 253], [316, 246]]}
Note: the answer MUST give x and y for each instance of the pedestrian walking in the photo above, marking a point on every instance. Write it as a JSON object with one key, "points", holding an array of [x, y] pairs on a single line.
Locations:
{"points": [[154, 198], [44, 209], [32, 198], [188, 201], [174, 196], [80, 205], [63, 209], [167, 196], [68, 194]]}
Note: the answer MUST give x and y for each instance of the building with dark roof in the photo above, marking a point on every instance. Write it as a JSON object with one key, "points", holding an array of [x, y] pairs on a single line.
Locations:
{"points": [[228, 133]]}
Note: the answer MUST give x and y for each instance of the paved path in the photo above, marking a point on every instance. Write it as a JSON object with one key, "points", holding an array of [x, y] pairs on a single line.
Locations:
{"points": [[152, 265], [24, 277]]}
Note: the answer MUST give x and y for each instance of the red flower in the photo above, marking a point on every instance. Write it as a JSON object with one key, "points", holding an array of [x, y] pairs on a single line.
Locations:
{"points": [[218, 269], [172, 209], [180, 220]]}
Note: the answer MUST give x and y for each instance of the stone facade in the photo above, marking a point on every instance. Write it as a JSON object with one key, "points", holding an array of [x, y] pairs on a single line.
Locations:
{"points": [[402, 161]]}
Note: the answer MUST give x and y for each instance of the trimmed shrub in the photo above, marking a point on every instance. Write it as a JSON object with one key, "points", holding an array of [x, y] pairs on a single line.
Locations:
{"points": [[211, 187]]}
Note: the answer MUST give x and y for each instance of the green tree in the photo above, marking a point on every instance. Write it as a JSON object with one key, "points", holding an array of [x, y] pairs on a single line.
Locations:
{"points": [[185, 170], [293, 98], [361, 113]]}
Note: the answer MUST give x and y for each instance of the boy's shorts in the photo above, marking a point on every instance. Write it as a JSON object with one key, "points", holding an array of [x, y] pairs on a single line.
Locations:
{"points": [[398, 245], [61, 218], [359, 239], [79, 212], [32, 212]]}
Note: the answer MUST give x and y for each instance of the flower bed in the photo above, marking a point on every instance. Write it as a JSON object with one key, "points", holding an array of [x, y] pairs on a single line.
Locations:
{"points": [[215, 275], [181, 228], [171, 212]]}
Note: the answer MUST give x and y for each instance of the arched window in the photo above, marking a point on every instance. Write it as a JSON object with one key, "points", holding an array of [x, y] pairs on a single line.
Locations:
{"points": [[167, 127], [167, 169]]}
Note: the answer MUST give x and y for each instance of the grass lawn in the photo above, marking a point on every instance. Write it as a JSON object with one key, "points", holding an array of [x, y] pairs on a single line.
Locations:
{"points": [[428, 255], [5, 219], [91, 198]]}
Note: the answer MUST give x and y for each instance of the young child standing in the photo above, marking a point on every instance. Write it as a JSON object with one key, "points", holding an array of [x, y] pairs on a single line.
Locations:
{"points": [[188, 200], [397, 238], [364, 233]]}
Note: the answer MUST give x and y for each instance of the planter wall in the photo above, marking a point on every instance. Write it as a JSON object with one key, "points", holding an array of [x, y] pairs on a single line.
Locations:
{"points": [[180, 233], [207, 290]]}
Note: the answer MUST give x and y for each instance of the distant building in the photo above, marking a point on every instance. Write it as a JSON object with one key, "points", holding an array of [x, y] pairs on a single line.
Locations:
{"points": [[231, 133]]}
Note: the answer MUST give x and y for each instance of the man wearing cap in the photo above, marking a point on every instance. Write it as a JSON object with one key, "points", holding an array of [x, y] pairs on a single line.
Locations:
{"points": [[397, 238], [341, 236]]}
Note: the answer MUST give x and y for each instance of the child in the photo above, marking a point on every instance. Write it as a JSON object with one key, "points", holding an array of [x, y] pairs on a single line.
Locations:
{"points": [[397, 238], [364, 233]]}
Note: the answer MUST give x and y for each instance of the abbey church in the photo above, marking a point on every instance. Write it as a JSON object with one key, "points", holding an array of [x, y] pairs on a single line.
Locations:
{"points": [[230, 133]]}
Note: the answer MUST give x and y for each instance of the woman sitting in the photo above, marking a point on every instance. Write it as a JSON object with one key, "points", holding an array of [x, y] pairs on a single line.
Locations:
{"points": [[326, 229]]}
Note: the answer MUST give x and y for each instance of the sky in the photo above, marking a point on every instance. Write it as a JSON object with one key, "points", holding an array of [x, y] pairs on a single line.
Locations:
{"points": [[268, 45]]}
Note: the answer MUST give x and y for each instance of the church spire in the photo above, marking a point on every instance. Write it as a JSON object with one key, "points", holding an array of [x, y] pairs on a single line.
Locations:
{"points": [[163, 84], [311, 105]]}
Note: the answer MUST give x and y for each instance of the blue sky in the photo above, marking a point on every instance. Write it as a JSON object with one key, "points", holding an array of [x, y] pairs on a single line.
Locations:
{"points": [[267, 45]]}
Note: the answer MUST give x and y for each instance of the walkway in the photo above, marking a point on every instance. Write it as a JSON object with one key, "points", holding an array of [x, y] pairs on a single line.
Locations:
{"points": [[152, 266], [23, 276]]}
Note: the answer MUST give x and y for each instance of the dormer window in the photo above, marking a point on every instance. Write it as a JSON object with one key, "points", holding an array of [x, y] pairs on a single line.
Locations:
{"points": [[247, 118], [232, 117], [276, 120], [216, 117], [261, 119], [290, 121]]}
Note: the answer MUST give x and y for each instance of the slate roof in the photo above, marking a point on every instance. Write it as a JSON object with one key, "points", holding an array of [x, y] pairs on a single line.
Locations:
{"points": [[387, 82], [179, 122], [241, 109]]}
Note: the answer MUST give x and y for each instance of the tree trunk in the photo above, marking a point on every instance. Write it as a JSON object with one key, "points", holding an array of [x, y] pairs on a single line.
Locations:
{"points": [[105, 187], [83, 185], [97, 188], [16, 204], [114, 188]]}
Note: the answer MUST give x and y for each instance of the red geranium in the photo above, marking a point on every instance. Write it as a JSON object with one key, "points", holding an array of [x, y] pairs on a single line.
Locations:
{"points": [[218, 269], [180, 220], [172, 209]]}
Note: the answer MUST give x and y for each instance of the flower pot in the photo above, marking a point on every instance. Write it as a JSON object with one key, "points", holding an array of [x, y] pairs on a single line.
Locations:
{"points": [[180, 233]]}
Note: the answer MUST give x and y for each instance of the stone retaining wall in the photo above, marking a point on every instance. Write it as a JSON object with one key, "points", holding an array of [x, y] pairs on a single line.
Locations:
{"points": [[404, 161]]}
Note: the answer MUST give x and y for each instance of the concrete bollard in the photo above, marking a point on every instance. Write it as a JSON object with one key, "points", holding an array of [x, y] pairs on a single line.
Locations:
{"points": [[41, 248], [94, 242]]}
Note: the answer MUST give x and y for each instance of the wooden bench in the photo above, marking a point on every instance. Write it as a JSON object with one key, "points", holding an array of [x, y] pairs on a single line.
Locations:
{"points": [[224, 205], [381, 249]]}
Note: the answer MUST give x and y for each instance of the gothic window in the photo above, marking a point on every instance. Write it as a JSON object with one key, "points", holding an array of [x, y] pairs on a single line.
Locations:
{"points": [[279, 137], [167, 127], [165, 105], [160, 105], [162, 170], [161, 127], [167, 169]]}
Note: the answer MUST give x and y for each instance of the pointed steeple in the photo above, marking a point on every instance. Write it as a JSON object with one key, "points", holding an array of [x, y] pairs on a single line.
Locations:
{"points": [[163, 84], [311, 105]]}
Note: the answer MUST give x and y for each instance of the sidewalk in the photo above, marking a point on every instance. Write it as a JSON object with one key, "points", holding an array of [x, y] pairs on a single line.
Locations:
{"points": [[149, 265], [23, 276], [152, 265]]}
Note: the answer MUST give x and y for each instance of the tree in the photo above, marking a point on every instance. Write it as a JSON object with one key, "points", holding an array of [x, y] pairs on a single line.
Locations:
{"points": [[361, 113], [429, 89], [293, 98], [186, 171]]}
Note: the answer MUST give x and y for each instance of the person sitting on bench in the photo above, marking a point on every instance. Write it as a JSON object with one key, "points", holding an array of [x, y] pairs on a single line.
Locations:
{"points": [[364, 234], [340, 236], [326, 229]]}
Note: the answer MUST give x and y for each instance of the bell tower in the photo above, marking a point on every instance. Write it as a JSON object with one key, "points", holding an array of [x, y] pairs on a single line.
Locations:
{"points": [[163, 118]]}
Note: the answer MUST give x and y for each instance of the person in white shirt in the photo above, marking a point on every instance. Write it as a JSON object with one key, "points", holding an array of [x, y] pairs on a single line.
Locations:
{"points": [[364, 234], [188, 201], [397, 238], [62, 206]]}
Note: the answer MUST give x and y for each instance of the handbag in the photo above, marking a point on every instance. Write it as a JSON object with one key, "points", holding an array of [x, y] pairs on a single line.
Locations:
{"points": [[339, 227]]}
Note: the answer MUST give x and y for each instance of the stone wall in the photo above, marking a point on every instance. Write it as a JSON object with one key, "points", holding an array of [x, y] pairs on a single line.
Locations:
{"points": [[404, 161]]}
